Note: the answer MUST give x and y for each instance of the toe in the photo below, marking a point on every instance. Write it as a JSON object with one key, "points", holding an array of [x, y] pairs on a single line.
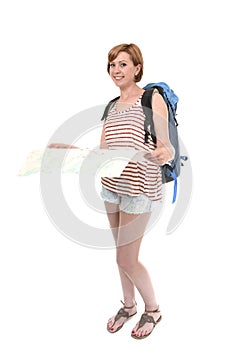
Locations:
{"points": [[134, 331], [139, 334], [111, 328], [110, 323]]}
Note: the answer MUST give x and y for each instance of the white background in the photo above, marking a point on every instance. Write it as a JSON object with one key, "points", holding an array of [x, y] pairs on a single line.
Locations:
{"points": [[56, 294]]}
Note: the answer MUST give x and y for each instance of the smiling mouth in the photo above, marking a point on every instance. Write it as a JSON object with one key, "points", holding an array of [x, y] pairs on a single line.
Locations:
{"points": [[118, 77]]}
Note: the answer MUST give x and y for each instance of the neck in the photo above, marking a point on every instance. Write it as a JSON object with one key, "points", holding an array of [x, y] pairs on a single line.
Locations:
{"points": [[130, 92]]}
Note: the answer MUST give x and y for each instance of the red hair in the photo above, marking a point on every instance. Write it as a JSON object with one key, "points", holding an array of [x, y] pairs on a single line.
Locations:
{"points": [[134, 52]]}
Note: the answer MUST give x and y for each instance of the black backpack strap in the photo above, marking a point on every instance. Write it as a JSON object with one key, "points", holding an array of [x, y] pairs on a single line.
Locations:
{"points": [[147, 109], [108, 107]]}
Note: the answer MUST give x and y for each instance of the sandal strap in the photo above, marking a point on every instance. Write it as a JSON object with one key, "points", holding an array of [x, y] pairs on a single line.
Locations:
{"points": [[122, 312], [145, 318], [153, 311], [128, 307]]}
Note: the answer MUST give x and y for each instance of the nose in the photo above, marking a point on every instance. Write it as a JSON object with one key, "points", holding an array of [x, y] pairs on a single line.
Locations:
{"points": [[116, 69]]}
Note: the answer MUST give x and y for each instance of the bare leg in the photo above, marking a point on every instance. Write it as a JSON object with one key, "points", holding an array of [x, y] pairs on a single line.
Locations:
{"points": [[131, 227], [127, 285]]}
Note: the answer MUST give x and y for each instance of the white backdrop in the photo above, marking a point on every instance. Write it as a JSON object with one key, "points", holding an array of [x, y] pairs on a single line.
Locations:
{"points": [[56, 294]]}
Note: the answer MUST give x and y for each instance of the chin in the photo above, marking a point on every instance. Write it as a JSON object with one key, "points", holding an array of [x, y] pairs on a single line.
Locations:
{"points": [[120, 84]]}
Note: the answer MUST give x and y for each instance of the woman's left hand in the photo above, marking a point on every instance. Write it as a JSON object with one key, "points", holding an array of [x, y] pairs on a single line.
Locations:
{"points": [[161, 155]]}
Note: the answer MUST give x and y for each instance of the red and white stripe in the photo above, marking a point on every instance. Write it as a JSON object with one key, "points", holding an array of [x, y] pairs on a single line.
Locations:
{"points": [[126, 129]]}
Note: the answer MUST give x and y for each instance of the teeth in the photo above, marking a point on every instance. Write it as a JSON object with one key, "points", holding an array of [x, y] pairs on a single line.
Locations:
{"points": [[118, 78]]}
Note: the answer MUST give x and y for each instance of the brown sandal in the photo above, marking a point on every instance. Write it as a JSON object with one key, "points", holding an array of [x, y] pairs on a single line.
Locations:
{"points": [[122, 313], [144, 319]]}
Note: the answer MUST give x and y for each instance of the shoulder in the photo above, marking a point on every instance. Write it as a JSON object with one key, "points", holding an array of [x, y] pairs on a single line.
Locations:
{"points": [[157, 99], [158, 104], [108, 107]]}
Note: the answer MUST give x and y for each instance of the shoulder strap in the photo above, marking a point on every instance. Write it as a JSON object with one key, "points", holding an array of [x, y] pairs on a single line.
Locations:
{"points": [[147, 98], [147, 109], [108, 107]]}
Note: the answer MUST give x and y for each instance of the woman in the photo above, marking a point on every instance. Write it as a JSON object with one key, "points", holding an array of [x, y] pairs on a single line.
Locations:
{"points": [[129, 199]]}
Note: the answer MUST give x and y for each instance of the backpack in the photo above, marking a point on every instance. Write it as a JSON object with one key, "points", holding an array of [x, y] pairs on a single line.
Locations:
{"points": [[171, 170]]}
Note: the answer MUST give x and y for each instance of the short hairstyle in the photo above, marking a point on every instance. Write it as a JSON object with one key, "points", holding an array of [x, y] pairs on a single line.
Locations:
{"points": [[134, 52]]}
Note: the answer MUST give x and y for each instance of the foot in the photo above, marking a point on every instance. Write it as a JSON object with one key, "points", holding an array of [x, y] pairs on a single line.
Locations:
{"points": [[116, 322], [146, 324]]}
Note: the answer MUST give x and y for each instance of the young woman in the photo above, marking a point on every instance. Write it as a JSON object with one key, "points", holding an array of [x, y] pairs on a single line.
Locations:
{"points": [[130, 198]]}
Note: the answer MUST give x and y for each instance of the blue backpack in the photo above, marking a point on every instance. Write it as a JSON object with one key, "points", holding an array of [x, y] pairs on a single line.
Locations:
{"points": [[171, 170]]}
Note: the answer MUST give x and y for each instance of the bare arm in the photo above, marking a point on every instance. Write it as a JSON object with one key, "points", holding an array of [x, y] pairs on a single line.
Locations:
{"points": [[103, 143], [164, 151], [60, 145]]}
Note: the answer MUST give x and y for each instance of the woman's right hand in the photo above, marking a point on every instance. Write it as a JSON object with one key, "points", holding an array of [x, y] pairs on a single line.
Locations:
{"points": [[60, 145]]}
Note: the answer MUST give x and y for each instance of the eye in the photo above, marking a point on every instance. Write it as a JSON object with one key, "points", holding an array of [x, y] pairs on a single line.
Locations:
{"points": [[111, 65], [123, 64]]}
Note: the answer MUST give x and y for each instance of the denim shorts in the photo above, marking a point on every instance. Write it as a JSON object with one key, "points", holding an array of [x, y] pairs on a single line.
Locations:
{"points": [[129, 204]]}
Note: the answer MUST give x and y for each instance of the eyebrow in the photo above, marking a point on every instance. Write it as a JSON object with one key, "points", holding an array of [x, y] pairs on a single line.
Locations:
{"points": [[119, 61]]}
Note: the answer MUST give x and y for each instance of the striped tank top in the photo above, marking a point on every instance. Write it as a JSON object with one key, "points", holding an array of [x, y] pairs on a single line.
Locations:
{"points": [[126, 129]]}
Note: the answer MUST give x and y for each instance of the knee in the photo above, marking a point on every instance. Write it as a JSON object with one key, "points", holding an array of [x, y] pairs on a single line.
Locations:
{"points": [[126, 264]]}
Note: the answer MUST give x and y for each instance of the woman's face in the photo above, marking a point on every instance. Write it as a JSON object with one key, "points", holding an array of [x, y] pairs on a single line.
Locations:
{"points": [[122, 70]]}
